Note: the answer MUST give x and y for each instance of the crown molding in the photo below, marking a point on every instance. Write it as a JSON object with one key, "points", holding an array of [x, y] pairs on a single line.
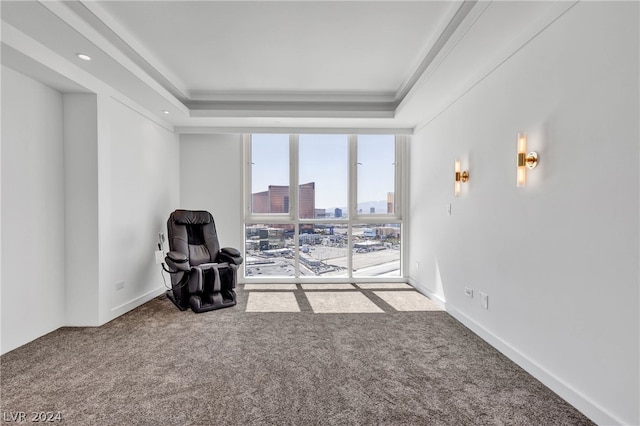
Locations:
{"points": [[292, 109], [94, 22], [453, 27], [119, 47], [291, 96], [211, 130]]}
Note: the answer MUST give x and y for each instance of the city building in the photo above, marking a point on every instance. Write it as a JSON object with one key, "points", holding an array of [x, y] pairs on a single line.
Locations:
{"points": [[276, 200], [320, 213]]}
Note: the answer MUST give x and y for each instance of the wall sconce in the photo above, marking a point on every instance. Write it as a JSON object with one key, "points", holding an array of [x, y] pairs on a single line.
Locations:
{"points": [[525, 161], [460, 177]]}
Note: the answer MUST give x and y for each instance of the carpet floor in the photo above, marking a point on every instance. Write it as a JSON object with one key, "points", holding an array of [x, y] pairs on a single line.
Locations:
{"points": [[157, 365]]}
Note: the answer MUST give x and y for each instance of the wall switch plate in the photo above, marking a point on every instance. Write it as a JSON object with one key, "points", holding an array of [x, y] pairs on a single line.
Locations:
{"points": [[449, 209], [484, 300], [468, 292], [159, 257], [119, 285]]}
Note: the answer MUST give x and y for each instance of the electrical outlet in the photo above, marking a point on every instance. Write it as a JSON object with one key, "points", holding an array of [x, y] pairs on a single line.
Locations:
{"points": [[119, 285], [468, 292], [484, 300], [159, 257]]}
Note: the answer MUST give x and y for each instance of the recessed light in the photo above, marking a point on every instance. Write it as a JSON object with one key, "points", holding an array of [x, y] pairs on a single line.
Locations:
{"points": [[83, 56], [165, 111]]}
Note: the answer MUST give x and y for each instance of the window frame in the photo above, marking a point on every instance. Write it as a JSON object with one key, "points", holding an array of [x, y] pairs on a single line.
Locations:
{"points": [[353, 218]]}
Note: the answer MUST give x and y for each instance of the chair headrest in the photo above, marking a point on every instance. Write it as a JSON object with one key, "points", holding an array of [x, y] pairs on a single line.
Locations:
{"points": [[189, 217]]}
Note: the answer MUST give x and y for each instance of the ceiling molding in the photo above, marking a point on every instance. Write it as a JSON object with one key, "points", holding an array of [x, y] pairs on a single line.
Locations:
{"points": [[63, 12], [518, 41], [14, 58], [465, 42], [284, 96], [206, 130], [292, 109], [468, 13], [95, 16], [203, 103], [20, 51], [57, 72], [447, 33]]}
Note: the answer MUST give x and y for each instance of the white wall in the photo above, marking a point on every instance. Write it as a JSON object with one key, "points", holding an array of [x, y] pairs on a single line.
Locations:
{"points": [[33, 293], [90, 182], [559, 257], [81, 209], [211, 179], [139, 162], [121, 172]]}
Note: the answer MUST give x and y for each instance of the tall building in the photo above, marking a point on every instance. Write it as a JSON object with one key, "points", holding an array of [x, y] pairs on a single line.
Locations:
{"points": [[276, 200], [307, 200], [390, 202]]}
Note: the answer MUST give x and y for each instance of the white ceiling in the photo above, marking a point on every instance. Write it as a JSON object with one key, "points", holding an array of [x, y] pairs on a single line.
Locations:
{"points": [[308, 46], [217, 65]]}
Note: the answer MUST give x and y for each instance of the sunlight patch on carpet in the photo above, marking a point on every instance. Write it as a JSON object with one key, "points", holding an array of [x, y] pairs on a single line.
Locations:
{"points": [[272, 302], [341, 302], [407, 301]]}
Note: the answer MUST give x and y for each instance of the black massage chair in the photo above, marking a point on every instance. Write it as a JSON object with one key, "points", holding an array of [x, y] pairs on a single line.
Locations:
{"points": [[203, 275]]}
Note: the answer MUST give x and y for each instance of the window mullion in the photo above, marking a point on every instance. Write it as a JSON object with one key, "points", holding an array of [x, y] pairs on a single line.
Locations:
{"points": [[399, 177], [246, 167], [294, 193], [402, 185], [353, 199]]}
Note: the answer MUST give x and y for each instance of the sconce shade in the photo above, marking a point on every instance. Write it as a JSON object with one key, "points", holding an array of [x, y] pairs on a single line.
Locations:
{"points": [[459, 177], [521, 178], [456, 189], [524, 160]]}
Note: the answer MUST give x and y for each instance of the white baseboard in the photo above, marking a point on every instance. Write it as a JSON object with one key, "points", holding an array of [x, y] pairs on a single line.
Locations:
{"points": [[574, 397], [435, 298], [134, 303]]}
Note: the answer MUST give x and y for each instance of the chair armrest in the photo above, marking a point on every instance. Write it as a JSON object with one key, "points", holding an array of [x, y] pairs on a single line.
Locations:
{"points": [[231, 251], [231, 255], [177, 261]]}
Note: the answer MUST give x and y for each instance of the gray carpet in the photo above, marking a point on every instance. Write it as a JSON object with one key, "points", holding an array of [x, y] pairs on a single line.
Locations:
{"points": [[157, 365]]}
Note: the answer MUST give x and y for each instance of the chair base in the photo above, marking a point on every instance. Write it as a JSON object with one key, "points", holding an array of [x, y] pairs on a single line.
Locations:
{"points": [[171, 297]]}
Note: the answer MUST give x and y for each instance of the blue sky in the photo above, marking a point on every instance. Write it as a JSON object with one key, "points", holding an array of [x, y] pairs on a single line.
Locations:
{"points": [[324, 160]]}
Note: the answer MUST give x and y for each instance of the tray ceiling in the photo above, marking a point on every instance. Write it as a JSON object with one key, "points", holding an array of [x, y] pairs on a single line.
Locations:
{"points": [[257, 64]]}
